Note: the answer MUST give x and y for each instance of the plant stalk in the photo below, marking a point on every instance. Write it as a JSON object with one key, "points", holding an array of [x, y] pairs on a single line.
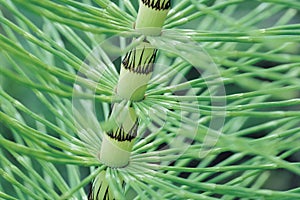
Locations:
{"points": [[136, 70]]}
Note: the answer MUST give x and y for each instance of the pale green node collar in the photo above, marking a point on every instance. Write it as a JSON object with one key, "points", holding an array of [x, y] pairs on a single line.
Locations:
{"points": [[135, 87], [115, 153], [151, 16]]}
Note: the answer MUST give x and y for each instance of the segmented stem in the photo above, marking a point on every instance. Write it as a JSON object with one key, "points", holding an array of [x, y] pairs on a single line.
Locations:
{"points": [[136, 70]]}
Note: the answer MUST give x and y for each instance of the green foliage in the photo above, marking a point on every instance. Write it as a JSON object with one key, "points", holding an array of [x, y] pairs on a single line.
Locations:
{"points": [[220, 119]]}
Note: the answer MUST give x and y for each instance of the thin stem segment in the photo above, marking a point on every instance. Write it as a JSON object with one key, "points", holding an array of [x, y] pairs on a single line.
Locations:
{"points": [[136, 70]]}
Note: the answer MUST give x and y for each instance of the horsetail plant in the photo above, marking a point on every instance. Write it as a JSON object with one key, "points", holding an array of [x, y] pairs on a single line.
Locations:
{"points": [[136, 70], [137, 100]]}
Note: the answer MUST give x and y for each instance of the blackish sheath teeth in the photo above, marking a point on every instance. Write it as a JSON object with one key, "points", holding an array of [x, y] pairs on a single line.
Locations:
{"points": [[143, 67], [157, 5], [120, 134], [106, 194], [91, 195]]}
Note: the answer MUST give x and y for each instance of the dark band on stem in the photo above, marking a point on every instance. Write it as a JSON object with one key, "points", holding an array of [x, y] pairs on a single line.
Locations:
{"points": [[157, 4], [91, 194], [106, 195], [144, 66], [120, 135]]}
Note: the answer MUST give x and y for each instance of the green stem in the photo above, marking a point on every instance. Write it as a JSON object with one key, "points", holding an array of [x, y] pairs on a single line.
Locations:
{"points": [[151, 16], [136, 70]]}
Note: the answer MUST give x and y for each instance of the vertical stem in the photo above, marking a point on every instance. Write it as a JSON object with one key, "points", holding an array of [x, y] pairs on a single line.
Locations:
{"points": [[136, 70], [151, 16]]}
